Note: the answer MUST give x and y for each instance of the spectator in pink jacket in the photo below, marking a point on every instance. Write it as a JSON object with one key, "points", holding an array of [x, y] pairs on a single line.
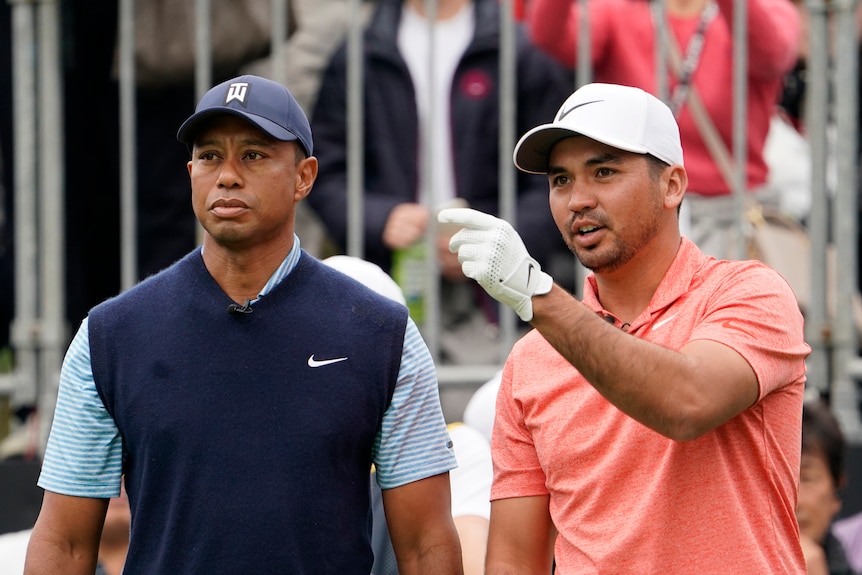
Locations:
{"points": [[623, 51]]}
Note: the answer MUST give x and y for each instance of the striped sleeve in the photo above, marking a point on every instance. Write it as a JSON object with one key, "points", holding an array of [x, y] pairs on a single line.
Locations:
{"points": [[83, 456], [413, 442]]}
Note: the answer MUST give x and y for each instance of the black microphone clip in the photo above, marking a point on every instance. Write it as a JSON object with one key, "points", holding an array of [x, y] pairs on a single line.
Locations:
{"points": [[236, 309]]}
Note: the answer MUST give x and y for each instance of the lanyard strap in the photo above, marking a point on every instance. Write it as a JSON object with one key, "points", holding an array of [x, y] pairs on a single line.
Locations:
{"points": [[692, 55], [705, 126]]}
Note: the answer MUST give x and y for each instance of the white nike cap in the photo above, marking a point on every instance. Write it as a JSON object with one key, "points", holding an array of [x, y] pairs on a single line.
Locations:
{"points": [[624, 117]]}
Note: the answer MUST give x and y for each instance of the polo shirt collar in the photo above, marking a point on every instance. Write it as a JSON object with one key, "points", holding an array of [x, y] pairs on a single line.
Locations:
{"points": [[679, 279]]}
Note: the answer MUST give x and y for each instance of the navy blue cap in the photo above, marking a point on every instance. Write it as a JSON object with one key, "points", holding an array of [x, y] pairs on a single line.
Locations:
{"points": [[266, 104]]}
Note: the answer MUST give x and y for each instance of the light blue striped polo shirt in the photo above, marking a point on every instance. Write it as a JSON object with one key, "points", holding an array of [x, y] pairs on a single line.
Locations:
{"points": [[84, 453]]}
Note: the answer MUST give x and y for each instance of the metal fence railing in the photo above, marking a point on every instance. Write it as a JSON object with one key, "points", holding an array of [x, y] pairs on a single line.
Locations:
{"points": [[39, 335]]}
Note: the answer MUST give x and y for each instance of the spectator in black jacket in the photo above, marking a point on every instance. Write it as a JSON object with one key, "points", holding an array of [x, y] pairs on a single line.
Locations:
{"points": [[465, 150]]}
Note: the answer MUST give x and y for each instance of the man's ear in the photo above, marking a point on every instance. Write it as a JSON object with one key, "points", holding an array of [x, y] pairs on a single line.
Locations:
{"points": [[675, 185], [306, 173]]}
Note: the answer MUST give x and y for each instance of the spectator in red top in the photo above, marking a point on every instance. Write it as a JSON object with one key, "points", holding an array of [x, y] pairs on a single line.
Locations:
{"points": [[623, 51]]}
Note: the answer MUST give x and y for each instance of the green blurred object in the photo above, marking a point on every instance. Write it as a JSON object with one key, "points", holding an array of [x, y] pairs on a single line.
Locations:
{"points": [[408, 271], [6, 360]]}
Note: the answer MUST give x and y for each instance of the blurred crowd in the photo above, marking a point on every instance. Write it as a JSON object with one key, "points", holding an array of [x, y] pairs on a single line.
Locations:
{"points": [[453, 109]]}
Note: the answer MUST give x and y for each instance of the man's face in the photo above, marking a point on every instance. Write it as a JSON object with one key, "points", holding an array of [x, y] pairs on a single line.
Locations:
{"points": [[818, 501], [605, 202], [245, 184]]}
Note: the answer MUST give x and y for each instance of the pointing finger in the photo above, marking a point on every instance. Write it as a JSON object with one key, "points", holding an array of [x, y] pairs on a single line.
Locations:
{"points": [[467, 217]]}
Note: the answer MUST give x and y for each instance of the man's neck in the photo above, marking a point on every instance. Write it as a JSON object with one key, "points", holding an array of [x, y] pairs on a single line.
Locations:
{"points": [[627, 292], [242, 274], [445, 8]]}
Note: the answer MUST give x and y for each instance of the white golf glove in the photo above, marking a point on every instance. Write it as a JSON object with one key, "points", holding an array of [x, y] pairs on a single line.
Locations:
{"points": [[492, 253]]}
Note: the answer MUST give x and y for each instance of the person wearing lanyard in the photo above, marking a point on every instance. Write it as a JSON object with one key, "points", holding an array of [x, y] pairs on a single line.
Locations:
{"points": [[699, 44]]}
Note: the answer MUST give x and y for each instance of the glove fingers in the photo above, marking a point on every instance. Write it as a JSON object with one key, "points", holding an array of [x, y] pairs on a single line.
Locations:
{"points": [[467, 237], [468, 218], [469, 253], [471, 269], [492, 253]]}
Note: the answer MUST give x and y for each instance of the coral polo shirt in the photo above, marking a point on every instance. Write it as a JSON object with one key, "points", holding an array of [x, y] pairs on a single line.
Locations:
{"points": [[626, 499]]}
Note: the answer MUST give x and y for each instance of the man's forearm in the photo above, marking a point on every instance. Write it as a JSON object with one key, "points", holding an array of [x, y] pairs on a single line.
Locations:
{"points": [[49, 558], [444, 559]]}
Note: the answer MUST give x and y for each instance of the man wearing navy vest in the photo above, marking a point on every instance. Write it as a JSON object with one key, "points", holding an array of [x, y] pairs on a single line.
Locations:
{"points": [[245, 392]]}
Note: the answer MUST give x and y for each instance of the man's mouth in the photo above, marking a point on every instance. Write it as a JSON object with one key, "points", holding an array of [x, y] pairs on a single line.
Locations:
{"points": [[228, 207], [584, 230], [228, 203]]}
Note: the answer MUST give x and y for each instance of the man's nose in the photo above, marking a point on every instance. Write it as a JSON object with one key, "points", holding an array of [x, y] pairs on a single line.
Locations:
{"points": [[229, 175]]}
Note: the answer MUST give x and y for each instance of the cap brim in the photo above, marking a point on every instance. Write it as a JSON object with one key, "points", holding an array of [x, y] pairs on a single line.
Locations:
{"points": [[187, 132], [533, 151]]}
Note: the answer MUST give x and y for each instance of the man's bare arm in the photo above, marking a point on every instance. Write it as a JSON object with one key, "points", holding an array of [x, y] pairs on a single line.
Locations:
{"points": [[421, 528], [66, 535], [680, 394], [521, 538]]}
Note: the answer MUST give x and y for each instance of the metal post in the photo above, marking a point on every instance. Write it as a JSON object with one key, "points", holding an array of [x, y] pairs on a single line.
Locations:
{"points": [[203, 62], [584, 67], [431, 321], [508, 114], [128, 152], [818, 329], [845, 394], [740, 117], [203, 48], [661, 51], [24, 328], [53, 332], [279, 35], [355, 133]]}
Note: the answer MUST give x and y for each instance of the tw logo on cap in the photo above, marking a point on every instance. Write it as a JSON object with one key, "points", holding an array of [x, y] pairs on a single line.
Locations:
{"points": [[237, 91]]}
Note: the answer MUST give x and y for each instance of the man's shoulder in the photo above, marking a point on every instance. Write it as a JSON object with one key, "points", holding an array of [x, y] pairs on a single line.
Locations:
{"points": [[692, 263], [535, 348], [752, 275], [349, 289], [156, 286]]}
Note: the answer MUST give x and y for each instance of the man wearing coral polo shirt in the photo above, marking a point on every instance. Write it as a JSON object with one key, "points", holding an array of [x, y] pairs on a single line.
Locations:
{"points": [[654, 426]]}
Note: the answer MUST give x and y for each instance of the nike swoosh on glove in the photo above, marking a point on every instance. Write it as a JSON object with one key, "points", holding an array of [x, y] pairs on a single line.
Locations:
{"points": [[492, 253]]}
